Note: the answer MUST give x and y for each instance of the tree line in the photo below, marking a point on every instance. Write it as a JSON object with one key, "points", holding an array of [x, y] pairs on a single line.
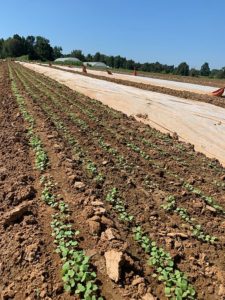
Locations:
{"points": [[39, 48], [36, 48], [121, 62]]}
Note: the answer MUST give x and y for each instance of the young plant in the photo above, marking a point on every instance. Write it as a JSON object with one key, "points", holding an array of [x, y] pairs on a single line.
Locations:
{"points": [[118, 205], [196, 230], [176, 283]]}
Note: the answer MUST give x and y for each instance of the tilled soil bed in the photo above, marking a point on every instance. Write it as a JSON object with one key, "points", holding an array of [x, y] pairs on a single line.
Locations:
{"points": [[28, 266], [112, 176]]}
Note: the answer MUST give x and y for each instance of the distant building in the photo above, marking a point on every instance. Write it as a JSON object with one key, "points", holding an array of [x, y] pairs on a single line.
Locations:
{"points": [[67, 59], [96, 64]]}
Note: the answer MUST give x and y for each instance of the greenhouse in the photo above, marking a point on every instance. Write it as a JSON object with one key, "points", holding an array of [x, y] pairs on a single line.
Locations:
{"points": [[67, 59], [96, 64]]}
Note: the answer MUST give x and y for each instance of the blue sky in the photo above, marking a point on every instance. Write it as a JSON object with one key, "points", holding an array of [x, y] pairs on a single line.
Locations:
{"points": [[168, 31]]}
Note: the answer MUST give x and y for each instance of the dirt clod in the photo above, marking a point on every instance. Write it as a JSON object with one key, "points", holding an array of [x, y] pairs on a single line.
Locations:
{"points": [[137, 281], [94, 226], [114, 260], [148, 296], [16, 214], [79, 185]]}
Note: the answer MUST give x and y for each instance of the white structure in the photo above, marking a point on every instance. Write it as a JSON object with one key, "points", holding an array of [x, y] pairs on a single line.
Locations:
{"points": [[96, 64], [65, 59]]}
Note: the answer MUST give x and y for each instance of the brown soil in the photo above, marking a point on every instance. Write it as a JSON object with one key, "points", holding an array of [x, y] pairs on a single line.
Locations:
{"points": [[142, 184], [28, 266]]}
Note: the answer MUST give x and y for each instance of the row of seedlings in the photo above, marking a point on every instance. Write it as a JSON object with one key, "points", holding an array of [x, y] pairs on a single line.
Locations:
{"points": [[77, 275]]}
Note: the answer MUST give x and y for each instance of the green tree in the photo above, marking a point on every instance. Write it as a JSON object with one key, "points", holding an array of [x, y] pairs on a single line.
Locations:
{"points": [[130, 64], [221, 73], [14, 47], [205, 70], [110, 61], [123, 62], [194, 72], [1, 48], [183, 69], [97, 56], [78, 54], [43, 49], [57, 52], [214, 73], [30, 41], [89, 57], [117, 62]]}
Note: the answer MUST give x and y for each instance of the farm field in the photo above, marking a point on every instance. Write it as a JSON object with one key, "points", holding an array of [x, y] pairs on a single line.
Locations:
{"points": [[200, 80], [176, 85], [195, 122], [99, 206], [192, 90]]}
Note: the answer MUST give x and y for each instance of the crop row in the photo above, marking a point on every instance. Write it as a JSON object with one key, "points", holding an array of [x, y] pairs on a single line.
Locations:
{"points": [[96, 106], [122, 162], [200, 235], [76, 272], [174, 285], [208, 199]]}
